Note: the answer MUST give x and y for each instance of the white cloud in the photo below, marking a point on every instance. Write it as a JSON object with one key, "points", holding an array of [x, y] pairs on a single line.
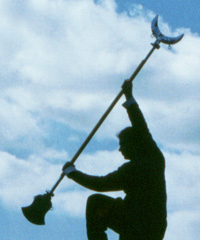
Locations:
{"points": [[65, 61], [20, 179], [182, 177], [183, 225], [68, 70]]}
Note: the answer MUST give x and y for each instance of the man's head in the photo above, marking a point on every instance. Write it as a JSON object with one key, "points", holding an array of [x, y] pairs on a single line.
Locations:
{"points": [[128, 143]]}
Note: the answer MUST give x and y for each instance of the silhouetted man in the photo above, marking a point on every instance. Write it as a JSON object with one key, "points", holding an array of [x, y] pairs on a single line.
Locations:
{"points": [[141, 215]]}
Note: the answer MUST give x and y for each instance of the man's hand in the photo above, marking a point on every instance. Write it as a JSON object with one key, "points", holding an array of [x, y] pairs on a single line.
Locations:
{"points": [[68, 168], [127, 89]]}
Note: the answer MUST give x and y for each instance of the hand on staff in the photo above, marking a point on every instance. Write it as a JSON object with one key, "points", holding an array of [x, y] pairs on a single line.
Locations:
{"points": [[68, 168], [127, 89]]}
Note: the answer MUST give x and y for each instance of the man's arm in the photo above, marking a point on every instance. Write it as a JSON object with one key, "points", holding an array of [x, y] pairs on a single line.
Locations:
{"points": [[144, 138], [135, 115], [106, 183], [110, 182]]}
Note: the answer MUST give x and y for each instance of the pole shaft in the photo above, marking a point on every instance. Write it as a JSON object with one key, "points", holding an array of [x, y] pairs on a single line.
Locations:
{"points": [[82, 147]]}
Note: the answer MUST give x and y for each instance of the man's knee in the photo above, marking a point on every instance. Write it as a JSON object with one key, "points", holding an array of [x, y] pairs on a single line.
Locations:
{"points": [[97, 204], [95, 198]]}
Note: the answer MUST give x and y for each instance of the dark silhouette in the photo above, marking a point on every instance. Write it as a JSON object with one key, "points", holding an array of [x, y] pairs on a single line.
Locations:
{"points": [[141, 215]]}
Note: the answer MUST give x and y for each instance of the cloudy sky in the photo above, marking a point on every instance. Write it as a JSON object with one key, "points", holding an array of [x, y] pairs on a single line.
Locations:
{"points": [[62, 63]]}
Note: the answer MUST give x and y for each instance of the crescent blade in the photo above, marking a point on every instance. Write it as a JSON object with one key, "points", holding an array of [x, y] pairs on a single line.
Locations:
{"points": [[160, 36]]}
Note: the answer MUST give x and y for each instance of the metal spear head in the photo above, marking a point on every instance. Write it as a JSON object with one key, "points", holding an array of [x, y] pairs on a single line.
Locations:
{"points": [[160, 36], [35, 213]]}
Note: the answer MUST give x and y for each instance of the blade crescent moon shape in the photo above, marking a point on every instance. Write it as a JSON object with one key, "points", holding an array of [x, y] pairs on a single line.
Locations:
{"points": [[161, 37]]}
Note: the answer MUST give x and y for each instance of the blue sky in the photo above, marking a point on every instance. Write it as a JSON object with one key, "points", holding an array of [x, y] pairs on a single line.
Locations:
{"points": [[62, 63]]}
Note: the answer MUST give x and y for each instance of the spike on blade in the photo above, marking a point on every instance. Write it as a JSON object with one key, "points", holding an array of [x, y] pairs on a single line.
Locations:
{"points": [[35, 213]]}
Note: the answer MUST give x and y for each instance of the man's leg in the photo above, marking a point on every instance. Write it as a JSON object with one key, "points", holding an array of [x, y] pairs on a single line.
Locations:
{"points": [[102, 212]]}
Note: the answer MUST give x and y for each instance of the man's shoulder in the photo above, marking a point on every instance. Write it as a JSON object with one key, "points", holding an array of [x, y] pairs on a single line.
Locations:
{"points": [[127, 166]]}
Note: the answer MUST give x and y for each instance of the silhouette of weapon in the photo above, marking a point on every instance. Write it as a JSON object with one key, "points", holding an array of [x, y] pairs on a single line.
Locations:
{"points": [[36, 212]]}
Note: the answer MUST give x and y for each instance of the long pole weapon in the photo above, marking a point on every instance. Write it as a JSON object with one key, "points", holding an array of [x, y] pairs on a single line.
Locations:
{"points": [[35, 213]]}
